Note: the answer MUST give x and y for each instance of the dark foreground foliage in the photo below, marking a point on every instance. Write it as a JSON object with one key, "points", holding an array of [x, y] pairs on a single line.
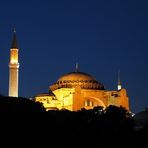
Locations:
{"points": [[24, 123]]}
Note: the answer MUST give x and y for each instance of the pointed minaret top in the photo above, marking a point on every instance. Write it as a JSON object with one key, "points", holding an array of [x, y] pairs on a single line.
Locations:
{"points": [[119, 81], [14, 40], [14, 30], [77, 67]]}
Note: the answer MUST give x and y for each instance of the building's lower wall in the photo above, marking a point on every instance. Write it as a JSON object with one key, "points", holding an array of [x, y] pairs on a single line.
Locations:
{"points": [[48, 101], [76, 98], [64, 98], [118, 98]]}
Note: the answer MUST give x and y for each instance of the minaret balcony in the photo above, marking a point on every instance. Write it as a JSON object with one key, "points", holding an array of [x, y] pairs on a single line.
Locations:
{"points": [[14, 65]]}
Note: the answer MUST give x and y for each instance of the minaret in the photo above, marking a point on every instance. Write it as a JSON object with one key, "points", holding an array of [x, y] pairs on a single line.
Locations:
{"points": [[13, 67], [77, 67], [119, 87]]}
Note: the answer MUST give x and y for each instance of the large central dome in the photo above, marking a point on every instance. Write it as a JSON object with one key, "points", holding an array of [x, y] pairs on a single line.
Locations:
{"points": [[73, 79], [76, 76]]}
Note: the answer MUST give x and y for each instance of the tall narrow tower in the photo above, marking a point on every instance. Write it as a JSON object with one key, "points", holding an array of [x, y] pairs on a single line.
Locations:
{"points": [[13, 68], [119, 87]]}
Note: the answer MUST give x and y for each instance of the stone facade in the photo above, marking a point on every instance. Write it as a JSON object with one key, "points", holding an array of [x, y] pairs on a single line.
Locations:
{"points": [[78, 90], [13, 68]]}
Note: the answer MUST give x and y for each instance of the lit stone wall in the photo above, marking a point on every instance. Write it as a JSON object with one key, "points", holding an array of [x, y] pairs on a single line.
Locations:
{"points": [[64, 98], [14, 56], [118, 98], [13, 81], [48, 102], [97, 96], [124, 100], [13, 73], [76, 98]]}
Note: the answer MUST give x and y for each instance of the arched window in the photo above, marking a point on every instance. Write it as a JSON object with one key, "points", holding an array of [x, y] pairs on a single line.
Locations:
{"points": [[88, 103]]}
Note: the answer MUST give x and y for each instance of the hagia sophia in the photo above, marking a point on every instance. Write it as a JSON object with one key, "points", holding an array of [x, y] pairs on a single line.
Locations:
{"points": [[72, 91], [77, 90]]}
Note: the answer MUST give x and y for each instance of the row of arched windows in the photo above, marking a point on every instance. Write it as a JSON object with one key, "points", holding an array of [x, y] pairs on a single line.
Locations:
{"points": [[82, 86], [77, 81]]}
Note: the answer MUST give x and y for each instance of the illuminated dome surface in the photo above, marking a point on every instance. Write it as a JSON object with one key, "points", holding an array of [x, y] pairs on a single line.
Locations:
{"points": [[76, 76], [84, 80]]}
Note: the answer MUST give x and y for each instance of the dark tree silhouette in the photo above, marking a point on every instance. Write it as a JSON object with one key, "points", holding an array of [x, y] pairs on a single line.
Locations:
{"points": [[30, 124]]}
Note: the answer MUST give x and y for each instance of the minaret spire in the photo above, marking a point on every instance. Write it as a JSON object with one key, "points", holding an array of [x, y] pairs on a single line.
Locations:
{"points": [[14, 40], [77, 67], [119, 87], [13, 67]]}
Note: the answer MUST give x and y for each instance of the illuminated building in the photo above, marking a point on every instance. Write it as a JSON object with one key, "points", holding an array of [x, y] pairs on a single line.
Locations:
{"points": [[77, 90], [13, 68]]}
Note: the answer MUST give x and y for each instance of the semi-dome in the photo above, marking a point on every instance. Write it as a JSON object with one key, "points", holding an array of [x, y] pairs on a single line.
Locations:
{"points": [[45, 94], [73, 79]]}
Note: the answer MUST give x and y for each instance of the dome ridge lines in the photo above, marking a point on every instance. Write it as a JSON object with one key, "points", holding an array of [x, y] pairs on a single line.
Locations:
{"points": [[84, 80]]}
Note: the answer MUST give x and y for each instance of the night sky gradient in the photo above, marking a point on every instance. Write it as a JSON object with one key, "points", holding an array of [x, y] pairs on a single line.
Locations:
{"points": [[102, 36]]}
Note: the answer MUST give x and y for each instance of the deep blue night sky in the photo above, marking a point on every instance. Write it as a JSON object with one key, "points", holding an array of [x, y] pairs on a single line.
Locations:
{"points": [[102, 36]]}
